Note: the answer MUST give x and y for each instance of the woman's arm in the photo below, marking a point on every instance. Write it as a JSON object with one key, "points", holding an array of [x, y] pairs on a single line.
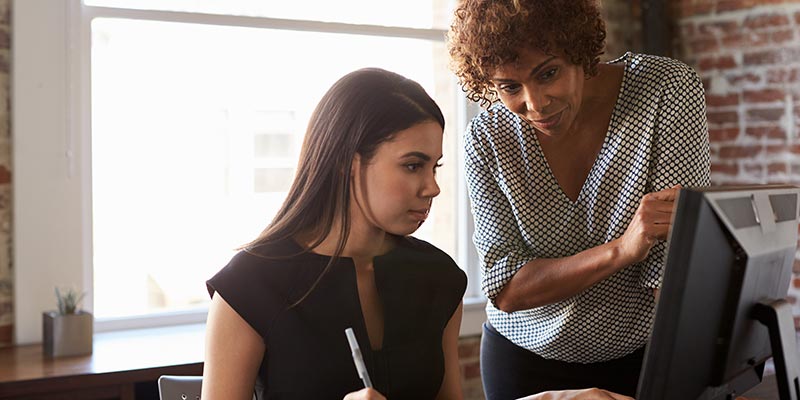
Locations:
{"points": [[451, 384], [680, 149], [234, 351], [544, 281], [513, 278]]}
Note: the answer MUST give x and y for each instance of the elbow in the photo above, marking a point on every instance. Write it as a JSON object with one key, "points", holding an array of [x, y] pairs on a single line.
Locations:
{"points": [[505, 303]]}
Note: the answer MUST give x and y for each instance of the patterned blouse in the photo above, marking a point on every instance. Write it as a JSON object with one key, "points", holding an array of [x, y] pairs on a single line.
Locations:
{"points": [[657, 138]]}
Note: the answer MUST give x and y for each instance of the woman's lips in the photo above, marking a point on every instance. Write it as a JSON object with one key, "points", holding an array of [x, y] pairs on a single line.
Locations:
{"points": [[421, 215], [548, 122]]}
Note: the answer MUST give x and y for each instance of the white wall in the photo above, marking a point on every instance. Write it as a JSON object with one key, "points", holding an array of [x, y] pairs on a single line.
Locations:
{"points": [[48, 175]]}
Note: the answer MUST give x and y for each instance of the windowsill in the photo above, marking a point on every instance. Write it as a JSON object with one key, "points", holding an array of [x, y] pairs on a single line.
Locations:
{"points": [[185, 344], [189, 338], [474, 316]]}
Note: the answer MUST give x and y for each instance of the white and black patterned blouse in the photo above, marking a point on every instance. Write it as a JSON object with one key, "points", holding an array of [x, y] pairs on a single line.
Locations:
{"points": [[657, 138]]}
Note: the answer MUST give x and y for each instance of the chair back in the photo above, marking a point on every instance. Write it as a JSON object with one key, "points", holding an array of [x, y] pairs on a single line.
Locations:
{"points": [[181, 387], [175, 387]]}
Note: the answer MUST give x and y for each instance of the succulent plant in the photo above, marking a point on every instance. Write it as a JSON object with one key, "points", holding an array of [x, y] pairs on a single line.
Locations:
{"points": [[68, 300]]}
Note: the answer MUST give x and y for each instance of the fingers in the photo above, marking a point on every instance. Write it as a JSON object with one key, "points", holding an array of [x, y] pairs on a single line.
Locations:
{"points": [[616, 396], [669, 194], [651, 223], [666, 196], [365, 394], [579, 394]]}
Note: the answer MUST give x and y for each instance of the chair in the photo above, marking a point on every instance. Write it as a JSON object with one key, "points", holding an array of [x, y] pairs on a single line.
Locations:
{"points": [[175, 387], [179, 387]]}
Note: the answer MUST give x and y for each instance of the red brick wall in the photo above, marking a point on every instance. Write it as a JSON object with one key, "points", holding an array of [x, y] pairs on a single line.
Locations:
{"points": [[469, 354], [6, 277], [748, 55]]}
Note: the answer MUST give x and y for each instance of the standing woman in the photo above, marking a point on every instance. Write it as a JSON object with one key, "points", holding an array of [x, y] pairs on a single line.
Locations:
{"points": [[572, 177], [337, 255]]}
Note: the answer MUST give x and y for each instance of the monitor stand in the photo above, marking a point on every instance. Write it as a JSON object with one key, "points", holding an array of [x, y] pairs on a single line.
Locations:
{"points": [[777, 316]]}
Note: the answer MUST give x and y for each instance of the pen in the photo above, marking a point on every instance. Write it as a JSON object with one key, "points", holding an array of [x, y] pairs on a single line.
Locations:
{"points": [[357, 359]]}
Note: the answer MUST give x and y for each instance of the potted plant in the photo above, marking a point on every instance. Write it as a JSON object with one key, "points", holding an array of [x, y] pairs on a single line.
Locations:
{"points": [[67, 331]]}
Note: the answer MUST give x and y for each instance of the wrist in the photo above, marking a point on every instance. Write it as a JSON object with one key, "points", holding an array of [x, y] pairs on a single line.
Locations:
{"points": [[618, 257]]}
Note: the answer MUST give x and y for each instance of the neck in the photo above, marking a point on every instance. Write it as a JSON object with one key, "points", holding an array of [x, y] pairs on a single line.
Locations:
{"points": [[362, 242], [599, 95]]}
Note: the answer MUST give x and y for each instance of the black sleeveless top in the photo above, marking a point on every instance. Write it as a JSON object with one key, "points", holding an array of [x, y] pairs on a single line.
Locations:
{"points": [[307, 355]]}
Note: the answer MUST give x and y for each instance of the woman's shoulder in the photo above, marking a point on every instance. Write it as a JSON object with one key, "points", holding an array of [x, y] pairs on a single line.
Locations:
{"points": [[429, 256], [257, 282], [654, 67], [651, 77], [411, 243], [494, 115], [275, 260], [492, 121]]}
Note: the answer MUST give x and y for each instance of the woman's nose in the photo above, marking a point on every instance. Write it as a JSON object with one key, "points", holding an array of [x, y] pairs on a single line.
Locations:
{"points": [[536, 101], [431, 188]]}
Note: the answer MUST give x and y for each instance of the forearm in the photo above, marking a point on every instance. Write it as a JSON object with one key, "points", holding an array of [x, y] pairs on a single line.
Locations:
{"points": [[545, 281]]}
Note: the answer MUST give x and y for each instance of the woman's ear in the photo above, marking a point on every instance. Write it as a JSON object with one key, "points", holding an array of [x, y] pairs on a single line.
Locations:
{"points": [[355, 166]]}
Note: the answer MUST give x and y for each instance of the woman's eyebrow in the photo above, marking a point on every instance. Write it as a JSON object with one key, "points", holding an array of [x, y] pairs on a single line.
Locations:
{"points": [[533, 72], [417, 154], [420, 155]]}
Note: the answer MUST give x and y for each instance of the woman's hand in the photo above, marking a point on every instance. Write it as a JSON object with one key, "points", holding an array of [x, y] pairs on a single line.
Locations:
{"points": [[650, 224], [583, 394], [365, 394]]}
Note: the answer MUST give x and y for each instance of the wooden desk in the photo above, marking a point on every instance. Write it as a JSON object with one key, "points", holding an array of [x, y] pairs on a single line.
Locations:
{"points": [[123, 365]]}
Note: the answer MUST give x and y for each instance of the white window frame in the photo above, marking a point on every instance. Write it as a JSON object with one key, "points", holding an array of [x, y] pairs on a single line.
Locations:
{"points": [[52, 239]]}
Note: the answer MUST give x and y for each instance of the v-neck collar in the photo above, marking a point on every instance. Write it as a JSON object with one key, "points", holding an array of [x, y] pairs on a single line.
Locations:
{"points": [[612, 126]]}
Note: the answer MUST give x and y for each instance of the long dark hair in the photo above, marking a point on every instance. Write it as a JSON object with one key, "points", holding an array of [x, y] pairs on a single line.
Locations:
{"points": [[359, 112]]}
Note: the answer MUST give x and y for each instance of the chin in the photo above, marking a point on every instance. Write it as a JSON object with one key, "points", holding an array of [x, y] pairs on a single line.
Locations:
{"points": [[404, 231]]}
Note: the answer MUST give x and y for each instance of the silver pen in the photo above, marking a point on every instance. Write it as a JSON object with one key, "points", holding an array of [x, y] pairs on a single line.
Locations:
{"points": [[357, 359]]}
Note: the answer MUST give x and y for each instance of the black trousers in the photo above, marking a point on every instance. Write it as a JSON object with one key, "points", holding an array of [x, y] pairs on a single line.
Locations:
{"points": [[510, 372]]}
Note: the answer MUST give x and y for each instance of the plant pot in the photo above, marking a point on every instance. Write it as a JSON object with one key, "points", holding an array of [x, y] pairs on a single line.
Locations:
{"points": [[67, 335]]}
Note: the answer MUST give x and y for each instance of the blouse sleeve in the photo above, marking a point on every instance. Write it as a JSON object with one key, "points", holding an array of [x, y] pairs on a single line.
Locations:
{"points": [[681, 151], [497, 239], [249, 285]]}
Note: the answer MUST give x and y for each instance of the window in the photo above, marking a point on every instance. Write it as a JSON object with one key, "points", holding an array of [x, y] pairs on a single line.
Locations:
{"points": [[175, 134]]}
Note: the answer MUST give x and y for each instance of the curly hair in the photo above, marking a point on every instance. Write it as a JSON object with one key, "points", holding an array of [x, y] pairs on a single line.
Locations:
{"points": [[486, 34]]}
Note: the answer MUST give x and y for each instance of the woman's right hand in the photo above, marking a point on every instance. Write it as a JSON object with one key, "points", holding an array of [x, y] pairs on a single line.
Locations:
{"points": [[583, 394], [365, 394], [650, 224]]}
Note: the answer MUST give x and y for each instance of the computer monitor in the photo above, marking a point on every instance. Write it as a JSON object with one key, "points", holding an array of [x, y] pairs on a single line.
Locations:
{"points": [[722, 312]]}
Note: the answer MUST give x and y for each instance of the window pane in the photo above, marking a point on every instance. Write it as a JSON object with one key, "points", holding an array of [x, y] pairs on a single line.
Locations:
{"points": [[196, 132], [272, 180], [406, 13]]}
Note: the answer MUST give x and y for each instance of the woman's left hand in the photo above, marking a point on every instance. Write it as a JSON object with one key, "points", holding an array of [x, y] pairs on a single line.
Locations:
{"points": [[582, 394], [365, 394]]}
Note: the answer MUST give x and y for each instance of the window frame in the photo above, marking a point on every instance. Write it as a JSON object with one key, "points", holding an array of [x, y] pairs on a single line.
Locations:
{"points": [[51, 132]]}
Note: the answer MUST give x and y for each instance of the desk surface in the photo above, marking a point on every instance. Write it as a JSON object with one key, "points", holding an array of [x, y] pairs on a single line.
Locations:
{"points": [[118, 359], [113, 352]]}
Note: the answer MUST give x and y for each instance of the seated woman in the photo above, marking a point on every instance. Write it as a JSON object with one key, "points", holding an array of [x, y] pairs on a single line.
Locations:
{"points": [[337, 255]]}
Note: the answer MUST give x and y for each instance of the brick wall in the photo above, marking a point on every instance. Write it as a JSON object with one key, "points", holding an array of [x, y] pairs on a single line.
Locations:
{"points": [[748, 55], [6, 316], [623, 29], [469, 354]]}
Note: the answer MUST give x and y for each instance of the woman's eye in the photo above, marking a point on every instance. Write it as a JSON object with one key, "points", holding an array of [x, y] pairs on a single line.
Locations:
{"points": [[510, 89], [547, 75], [412, 167]]}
